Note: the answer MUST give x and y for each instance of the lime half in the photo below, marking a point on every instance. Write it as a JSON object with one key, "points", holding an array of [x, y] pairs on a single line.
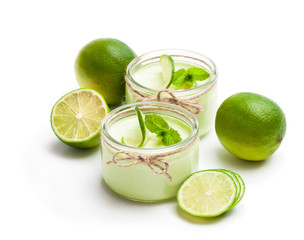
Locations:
{"points": [[207, 193], [168, 69], [76, 118]]}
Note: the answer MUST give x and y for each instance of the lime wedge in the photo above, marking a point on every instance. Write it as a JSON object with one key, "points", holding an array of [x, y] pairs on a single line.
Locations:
{"points": [[168, 69], [207, 193], [76, 118]]}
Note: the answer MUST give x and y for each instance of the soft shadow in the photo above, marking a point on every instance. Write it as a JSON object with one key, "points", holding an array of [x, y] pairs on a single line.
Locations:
{"points": [[230, 161], [200, 220], [63, 150], [202, 137], [116, 198]]}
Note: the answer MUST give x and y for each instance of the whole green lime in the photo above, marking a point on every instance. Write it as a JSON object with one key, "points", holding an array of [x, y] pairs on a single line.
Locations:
{"points": [[250, 126], [101, 65]]}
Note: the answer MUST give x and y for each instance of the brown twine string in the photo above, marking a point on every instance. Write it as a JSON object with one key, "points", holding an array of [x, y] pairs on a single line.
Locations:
{"points": [[187, 103], [190, 105], [152, 161]]}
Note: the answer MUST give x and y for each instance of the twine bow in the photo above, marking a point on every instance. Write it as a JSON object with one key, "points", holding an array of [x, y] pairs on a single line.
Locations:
{"points": [[152, 161], [191, 105]]}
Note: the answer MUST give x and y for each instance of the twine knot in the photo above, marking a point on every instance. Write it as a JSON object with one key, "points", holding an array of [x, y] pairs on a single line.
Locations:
{"points": [[156, 163], [191, 105]]}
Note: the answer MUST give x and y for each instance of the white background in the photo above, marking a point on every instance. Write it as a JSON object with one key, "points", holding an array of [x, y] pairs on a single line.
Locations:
{"points": [[51, 191]]}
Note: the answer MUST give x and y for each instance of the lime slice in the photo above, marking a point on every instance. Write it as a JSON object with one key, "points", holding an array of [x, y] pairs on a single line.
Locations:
{"points": [[142, 126], [168, 69], [239, 184], [137, 142], [242, 189], [76, 118], [207, 193], [134, 142]]}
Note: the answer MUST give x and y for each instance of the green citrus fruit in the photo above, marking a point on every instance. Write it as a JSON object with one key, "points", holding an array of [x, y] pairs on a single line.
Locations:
{"points": [[101, 65], [250, 126], [76, 118], [207, 193]]}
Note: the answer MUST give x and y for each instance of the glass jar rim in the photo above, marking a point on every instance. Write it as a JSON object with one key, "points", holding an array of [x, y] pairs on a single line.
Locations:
{"points": [[150, 151], [173, 52]]}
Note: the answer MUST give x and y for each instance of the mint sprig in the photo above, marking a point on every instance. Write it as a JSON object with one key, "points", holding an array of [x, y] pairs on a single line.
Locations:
{"points": [[156, 124], [189, 77]]}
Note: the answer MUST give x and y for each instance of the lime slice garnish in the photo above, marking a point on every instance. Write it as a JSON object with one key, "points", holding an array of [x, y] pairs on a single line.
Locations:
{"points": [[76, 118], [141, 125], [168, 69], [137, 142], [134, 142], [207, 193]]}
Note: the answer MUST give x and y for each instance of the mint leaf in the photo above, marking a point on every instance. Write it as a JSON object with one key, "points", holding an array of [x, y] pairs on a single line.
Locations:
{"points": [[179, 77], [156, 124], [171, 137], [197, 74], [187, 78]]}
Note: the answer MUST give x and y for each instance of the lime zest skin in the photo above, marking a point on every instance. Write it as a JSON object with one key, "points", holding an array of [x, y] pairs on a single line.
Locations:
{"points": [[250, 126]]}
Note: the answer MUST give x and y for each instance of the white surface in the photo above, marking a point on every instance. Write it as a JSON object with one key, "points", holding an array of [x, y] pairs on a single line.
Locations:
{"points": [[51, 191]]}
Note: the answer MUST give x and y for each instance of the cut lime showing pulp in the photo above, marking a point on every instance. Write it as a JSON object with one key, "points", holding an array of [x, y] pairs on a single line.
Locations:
{"points": [[207, 193], [168, 69], [76, 118], [237, 183]]}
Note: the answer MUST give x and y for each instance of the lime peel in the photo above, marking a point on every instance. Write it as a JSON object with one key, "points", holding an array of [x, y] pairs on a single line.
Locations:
{"points": [[250, 126]]}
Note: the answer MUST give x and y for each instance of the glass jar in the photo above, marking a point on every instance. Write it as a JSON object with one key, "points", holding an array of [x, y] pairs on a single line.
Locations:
{"points": [[205, 93], [149, 173]]}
